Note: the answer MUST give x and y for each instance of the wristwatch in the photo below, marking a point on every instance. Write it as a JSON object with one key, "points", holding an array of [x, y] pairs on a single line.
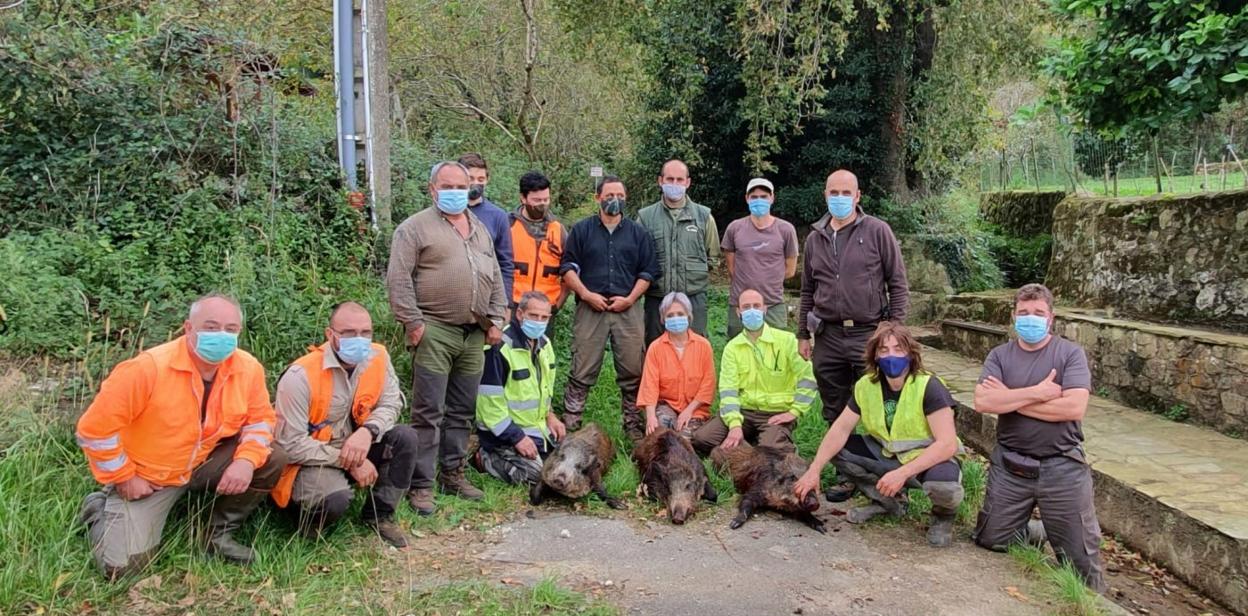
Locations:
{"points": [[372, 430]]}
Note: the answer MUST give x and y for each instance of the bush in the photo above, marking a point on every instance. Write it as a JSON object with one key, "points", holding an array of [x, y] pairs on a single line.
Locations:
{"points": [[1022, 260]]}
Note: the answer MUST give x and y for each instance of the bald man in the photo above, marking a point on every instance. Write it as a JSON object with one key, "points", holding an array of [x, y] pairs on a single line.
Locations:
{"points": [[190, 414], [853, 278], [686, 241], [336, 410]]}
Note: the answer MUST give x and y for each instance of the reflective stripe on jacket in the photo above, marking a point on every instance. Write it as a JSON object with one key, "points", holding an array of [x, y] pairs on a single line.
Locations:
{"points": [[537, 261]]}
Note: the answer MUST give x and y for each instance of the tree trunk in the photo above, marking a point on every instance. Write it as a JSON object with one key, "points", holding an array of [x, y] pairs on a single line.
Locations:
{"points": [[891, 89]]}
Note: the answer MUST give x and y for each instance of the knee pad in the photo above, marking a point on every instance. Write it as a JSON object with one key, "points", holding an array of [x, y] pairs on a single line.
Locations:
{"points": [[944, 494]]}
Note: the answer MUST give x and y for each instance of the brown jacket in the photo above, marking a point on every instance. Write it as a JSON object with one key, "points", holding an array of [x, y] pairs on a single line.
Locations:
{"points": [[853, 274]]}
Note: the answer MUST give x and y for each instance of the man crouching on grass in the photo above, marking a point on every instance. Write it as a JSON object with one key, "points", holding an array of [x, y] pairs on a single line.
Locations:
{"points": [[192, 413], [337, 408]]}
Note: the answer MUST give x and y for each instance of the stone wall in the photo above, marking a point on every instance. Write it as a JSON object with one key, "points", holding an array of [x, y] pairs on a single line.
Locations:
{"points": [[1157, 258], [1020, 213], [1186, 374]]}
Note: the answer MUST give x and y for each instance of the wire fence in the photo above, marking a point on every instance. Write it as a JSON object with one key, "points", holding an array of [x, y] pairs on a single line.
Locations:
{"points": [[1207, 157]]}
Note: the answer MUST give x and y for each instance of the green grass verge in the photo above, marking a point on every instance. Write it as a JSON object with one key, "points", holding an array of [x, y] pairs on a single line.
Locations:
{"points": [[1061, 582]]}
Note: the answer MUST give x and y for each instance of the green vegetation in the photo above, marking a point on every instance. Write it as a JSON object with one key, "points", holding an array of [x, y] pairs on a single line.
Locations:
{"points": [[1063, 584]]}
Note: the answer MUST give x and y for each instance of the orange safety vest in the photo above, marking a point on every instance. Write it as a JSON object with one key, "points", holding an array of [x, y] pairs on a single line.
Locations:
{"points": [[321, 384], [537, 261]]}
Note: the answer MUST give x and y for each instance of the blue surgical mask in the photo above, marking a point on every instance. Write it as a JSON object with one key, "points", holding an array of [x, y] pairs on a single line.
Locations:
{"points": [[354, 350], [533, 329], [673, 192], [676, 325], [840, 206], [1031, 328], [452, 201], [893, 366], [752, 318], [759, 207], [613, 206], [215, 347]]}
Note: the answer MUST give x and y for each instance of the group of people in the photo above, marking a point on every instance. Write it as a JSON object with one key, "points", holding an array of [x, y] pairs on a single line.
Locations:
{"points": [[475, 288]]}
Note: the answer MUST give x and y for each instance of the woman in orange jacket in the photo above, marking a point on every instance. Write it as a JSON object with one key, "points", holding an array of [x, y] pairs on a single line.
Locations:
{"points": [[678, 378]]}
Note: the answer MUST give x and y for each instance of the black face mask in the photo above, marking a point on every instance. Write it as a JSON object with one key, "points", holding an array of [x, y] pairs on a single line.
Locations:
{"points": [[613, 206], [476, 191]]}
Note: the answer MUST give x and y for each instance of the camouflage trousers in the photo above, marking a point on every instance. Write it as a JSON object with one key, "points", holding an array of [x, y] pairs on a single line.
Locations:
{"points": [[667, 419], [505, 464]]}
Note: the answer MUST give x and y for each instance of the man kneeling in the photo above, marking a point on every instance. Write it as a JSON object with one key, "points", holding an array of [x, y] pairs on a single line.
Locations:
{"points": [[908, 417], [336, 410], [190, 414], [515, 425]]}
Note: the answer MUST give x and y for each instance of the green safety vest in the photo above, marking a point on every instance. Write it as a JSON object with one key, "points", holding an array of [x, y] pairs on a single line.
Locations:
{"points": [[680, 245], [768, 376], [525, 399], [910, 434]]}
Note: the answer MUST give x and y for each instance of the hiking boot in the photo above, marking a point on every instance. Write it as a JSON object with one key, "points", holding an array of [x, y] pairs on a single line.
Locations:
{"points": [[454, 482], [92, 507], [858, 515], [841, 492], [421, 499], [940, 532], [389, 532]]}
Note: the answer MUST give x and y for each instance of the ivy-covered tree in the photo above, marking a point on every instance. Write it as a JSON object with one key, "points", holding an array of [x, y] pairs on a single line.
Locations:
{"points": [[1135, 66]]}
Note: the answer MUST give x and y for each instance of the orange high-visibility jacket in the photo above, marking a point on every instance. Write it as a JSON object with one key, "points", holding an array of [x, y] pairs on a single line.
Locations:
{"points": [[146, 419], [536, 261], [321, 386]]}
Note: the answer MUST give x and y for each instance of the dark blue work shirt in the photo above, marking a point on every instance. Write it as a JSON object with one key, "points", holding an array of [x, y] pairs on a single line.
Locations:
{"points": [[610, 263]]}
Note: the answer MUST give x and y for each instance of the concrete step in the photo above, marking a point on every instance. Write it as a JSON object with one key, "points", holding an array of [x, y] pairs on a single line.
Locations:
{"points": [[1183, 372], [1175, 492]]}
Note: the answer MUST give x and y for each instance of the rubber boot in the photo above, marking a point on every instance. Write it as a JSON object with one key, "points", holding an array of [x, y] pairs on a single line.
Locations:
{"points": [[227, 516], [945, 497], [574, 398]]}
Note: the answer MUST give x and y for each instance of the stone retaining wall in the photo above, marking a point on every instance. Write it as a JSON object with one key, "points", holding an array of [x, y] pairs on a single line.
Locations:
{"points": [[1165, 258], [1020, 213]]}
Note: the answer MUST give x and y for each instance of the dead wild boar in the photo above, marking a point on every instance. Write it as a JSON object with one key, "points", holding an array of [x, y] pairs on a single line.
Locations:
{"points": [[576, 467], [672, 473], [764, 477]]}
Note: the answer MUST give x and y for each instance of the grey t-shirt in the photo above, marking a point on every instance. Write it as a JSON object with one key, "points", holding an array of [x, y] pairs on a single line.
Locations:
{"points": [[759, 256], [1018, 368]]}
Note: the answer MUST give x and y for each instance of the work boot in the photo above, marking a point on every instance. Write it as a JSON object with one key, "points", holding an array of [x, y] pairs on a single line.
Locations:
{"points": [[227, 516], [421, 499], [841, 492], [454, 482], [940, 531], [92, 507], [858, 515], [389, 532]]}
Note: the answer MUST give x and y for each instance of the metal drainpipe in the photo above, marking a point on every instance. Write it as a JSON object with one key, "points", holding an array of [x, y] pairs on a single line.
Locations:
{"points": [[344, 74], [368, 117]]}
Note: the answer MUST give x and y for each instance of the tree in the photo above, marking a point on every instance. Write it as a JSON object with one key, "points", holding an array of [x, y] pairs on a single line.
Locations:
{"points": [[1136, 66]]}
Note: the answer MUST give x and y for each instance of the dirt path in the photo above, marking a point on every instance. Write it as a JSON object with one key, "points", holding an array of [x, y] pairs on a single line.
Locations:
{"points": [[769, 566]]}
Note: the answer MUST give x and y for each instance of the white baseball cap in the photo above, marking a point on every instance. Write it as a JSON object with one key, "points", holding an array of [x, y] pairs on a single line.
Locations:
{"points": [[764, 182]]}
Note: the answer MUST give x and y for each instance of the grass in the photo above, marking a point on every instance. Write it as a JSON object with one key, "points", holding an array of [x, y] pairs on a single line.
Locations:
{"points": [[1139, 186], [1061, 582]]}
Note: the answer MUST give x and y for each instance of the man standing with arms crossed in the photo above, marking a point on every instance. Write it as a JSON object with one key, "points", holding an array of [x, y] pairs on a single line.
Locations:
{"points": [[852, 278], [686, 242], [447, 291]]}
